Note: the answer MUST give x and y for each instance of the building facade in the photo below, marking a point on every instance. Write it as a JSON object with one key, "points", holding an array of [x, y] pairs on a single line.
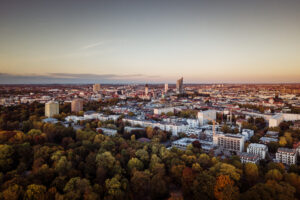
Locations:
{"points": [[179, 86], [286, 156], [166, 87], [183, 143], [77, 105], [146, 90], [229, 142], [159, 111], [205, 116], [96, 88], [51, 108], [258, 149], [249, 158]]}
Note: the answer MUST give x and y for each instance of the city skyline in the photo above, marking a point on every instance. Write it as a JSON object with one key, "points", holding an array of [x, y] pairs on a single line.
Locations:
{"points": [[149, 42]]}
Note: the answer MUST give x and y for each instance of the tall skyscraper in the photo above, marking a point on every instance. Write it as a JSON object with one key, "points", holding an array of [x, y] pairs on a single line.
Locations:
{"points": [[77, 105], [96, 88], [51, 108], [146, 90], [166, 87], [179, 86]]}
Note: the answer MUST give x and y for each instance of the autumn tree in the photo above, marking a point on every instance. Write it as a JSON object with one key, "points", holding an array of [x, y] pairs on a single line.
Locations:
{"points": [[13, 192], [35, 192], [6, 157], [203, 186], [273, 174], [225, 189], [135, 163], [140, 184], [114, 188], [251, 173]]}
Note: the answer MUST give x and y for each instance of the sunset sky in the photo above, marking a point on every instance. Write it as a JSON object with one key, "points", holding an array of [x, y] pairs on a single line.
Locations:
{"points": [[78, 41]]}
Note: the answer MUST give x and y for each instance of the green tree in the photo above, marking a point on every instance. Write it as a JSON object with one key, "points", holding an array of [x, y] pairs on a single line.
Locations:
{"points": [[6, 157], [63, 165], [270, 191], [135, 163], [114, 188], [143, 155], [78, 185], [106, 160], [203, 186]]}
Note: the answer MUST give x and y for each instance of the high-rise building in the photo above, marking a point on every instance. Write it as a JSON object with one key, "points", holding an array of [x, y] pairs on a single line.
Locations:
{"points": [[77, 105], [96, 88], [179, 86], [166, 87], [146, 90], [51, 108], [206, 116]]}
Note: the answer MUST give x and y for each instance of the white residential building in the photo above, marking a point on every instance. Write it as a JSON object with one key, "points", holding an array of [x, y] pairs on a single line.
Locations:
{"points": [[249, 158], [258, 149], [174, 128], [108, 131], [193, 123], [128, 129], [275, 120], [266, 140], [286, 156], [230, 142], [247, 133], [183, 143], [159, 111]]}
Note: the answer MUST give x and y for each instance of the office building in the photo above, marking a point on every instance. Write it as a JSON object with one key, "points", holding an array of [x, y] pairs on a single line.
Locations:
{"points": [[258, 149], [166, 87], [179, 86], [96, 88], [286, 156], [51, 108], [77, 105], [146, 90]]}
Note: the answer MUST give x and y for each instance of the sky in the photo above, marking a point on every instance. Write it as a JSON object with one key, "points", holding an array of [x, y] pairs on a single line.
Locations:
{"points": [[157, 41]]}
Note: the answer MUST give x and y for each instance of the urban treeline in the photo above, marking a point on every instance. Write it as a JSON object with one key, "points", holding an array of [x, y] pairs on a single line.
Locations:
{"points": [[50, 161]]}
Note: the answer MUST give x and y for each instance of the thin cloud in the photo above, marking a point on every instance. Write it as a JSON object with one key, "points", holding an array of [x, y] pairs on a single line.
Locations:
{"points": [[62, 78], [102, 43], [94, 45]]}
